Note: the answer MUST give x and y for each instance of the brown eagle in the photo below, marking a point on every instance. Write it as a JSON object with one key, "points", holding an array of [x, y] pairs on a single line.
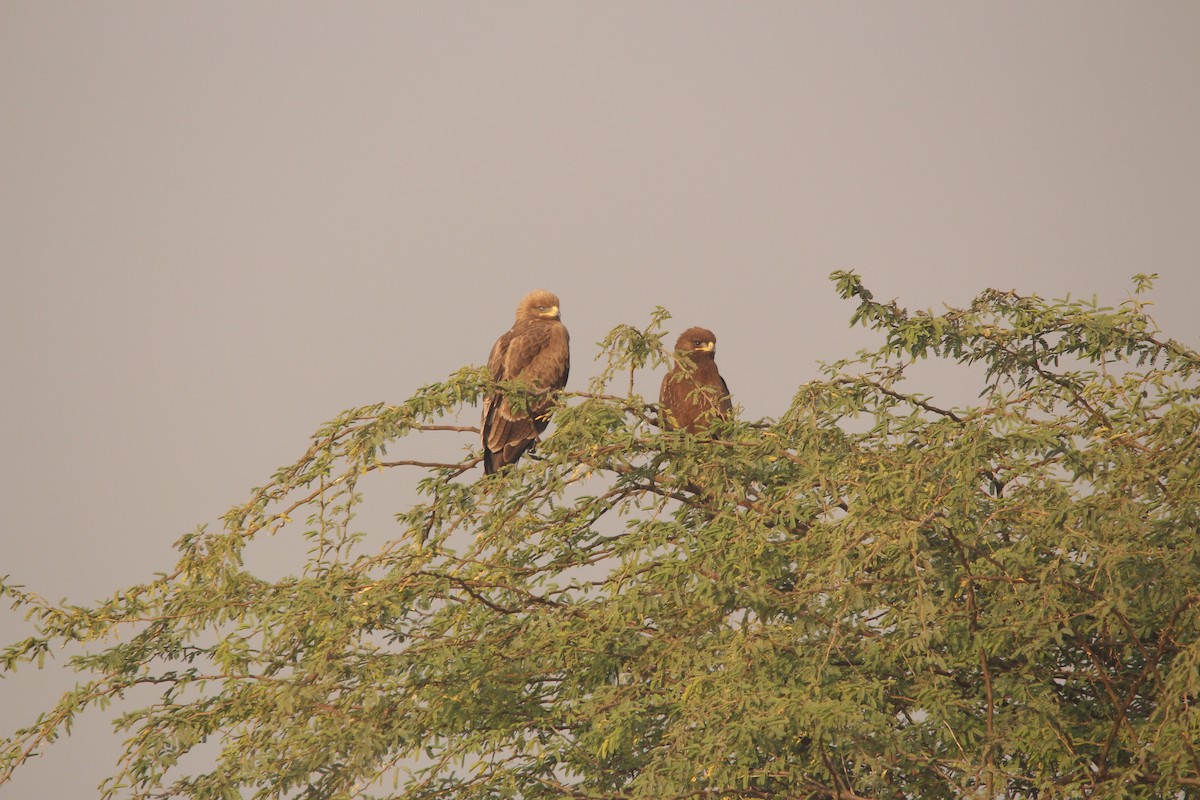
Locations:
{"points": [[535, 350], [693, 393]]}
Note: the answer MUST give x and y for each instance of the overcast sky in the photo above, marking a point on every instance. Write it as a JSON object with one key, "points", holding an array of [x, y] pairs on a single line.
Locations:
{"points": [[223, 223]]}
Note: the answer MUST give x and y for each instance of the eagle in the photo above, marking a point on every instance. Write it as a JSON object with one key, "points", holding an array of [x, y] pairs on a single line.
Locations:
{"points": [[535, 350], [693, 393]]}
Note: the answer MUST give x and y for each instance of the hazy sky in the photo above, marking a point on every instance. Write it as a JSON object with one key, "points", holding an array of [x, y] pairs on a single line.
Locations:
{"points": [[222, 223]]}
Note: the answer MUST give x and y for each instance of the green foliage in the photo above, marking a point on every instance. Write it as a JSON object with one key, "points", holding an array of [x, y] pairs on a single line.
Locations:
{"points": [[870, 597]]}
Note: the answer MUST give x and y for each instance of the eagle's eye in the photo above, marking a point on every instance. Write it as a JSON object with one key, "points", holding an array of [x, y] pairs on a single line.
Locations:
{"points": [[697, 343]]}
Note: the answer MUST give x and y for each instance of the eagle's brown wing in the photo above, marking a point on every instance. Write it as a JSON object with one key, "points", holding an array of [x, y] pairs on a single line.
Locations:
{"points": [[691, 399], [725, 404], [537, 352], [671, 397]]}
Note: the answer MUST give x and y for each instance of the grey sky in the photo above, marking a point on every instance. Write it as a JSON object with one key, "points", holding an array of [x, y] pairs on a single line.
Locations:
{"points": [[223, 223]]}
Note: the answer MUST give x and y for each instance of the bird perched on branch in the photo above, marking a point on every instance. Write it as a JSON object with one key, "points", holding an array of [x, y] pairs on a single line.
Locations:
{"points": [[535, 350], [693, 393]]}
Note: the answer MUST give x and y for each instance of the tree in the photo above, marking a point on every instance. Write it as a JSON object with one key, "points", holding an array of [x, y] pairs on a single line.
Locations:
{"points": [[871, 597]]}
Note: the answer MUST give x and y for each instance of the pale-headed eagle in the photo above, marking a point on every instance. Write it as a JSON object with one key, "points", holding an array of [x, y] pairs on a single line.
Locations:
{"points": [[693, 393], [535, 350]]}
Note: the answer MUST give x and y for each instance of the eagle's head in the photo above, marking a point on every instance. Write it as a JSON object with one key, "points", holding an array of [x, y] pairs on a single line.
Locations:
{"points": [[538, 305], [697, 340]]}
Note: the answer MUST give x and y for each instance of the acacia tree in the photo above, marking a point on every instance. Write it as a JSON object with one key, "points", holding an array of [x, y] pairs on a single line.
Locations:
{"points": [[873, 596]]}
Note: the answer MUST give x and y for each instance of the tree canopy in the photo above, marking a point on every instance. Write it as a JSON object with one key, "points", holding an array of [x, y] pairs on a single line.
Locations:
{"points": [[872, 596]]}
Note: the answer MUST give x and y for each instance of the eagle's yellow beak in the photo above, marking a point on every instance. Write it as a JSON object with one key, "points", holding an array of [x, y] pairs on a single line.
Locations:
{"points": [[707, 347]]}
